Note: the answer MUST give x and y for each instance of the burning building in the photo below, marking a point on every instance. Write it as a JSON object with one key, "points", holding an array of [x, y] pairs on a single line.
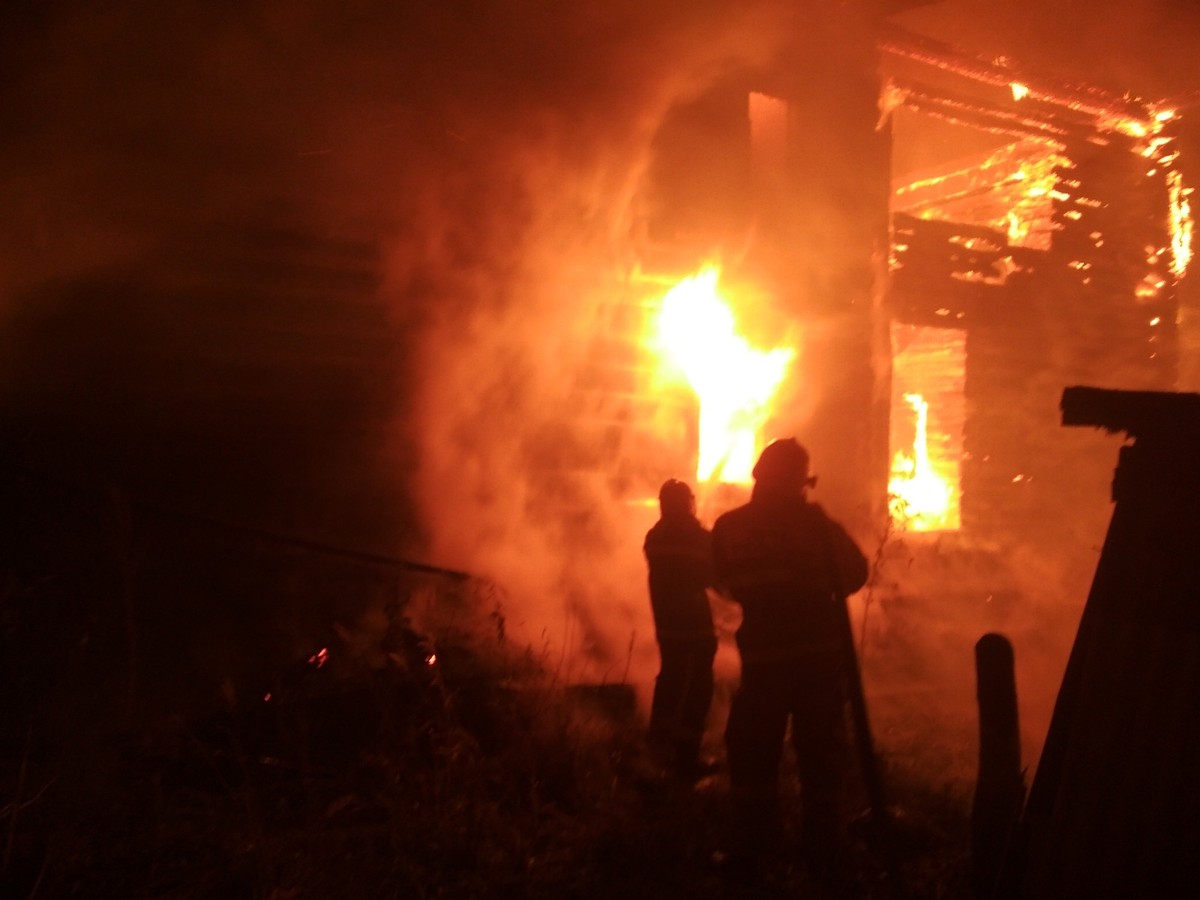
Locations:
{"points": [[337, 275], [756, 299], [902, 253], [820, 226], [1048, 252], [906, 252]]}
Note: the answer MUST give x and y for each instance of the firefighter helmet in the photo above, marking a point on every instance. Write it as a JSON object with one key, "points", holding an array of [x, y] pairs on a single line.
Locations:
{"points": [[783, 462], [676, 497]]}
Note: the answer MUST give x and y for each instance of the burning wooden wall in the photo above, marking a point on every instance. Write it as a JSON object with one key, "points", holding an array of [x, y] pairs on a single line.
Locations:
{"points": [[1039, 244], [777, 177], [1051, 234]]}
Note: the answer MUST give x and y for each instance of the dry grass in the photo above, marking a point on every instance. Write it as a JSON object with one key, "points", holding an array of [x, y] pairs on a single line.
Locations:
{"points": [[426, 757], [474, 775]]}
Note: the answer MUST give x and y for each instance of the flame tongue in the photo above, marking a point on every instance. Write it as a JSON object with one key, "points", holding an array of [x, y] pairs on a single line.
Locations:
{"points": [[733, 381], [919, 495]]}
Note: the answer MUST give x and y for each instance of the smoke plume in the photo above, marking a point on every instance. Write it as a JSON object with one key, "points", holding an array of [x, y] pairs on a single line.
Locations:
{"points": [[331, 268]]}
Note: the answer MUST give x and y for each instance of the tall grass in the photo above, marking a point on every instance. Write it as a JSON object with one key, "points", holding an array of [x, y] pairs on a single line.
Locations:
{"points": [[422, 754]]}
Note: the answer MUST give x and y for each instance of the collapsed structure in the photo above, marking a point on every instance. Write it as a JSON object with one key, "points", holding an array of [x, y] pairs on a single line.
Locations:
{"points": [[1048, 256]]}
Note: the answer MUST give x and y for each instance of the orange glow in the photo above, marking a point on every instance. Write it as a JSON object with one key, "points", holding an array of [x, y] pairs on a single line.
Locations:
{"points": [[733, 381], [768, 131], [1181, 223], [1013, 191], [919, 496], [1019, 91], [1033, 200], [926, 429]]}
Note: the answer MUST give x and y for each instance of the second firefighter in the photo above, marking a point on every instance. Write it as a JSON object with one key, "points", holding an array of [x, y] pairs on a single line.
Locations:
{"points": [[678, 552]]}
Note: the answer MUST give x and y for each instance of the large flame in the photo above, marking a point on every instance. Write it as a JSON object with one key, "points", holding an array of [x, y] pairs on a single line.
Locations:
{"points": [[734, 382], [920, 498]]}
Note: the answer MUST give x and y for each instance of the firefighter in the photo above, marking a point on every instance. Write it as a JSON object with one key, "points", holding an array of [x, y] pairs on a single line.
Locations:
{"points": [[789, 566], [679, 557]]}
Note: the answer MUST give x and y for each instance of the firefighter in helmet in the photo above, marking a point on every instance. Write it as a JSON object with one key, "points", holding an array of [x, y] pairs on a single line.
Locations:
{"points": [[679, 556], [789, 566]]}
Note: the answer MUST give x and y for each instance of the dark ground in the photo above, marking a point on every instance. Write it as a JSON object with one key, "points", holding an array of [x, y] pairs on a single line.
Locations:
{"points": [[173, 730]]}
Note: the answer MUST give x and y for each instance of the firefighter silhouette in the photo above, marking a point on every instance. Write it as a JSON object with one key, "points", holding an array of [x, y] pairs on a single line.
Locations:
{"points": [[789, 566], [679, 557]]}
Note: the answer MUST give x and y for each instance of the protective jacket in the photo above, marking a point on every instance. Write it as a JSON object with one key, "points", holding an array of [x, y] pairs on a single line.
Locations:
{"points": [[679, 556], [789, 566]]}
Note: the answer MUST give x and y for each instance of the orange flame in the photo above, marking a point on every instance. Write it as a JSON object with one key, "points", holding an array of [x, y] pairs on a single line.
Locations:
{"points": [[1181, 222], [734, 382], [920, 498]]}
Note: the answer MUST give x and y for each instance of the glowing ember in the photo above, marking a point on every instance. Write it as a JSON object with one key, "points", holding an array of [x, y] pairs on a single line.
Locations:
{"points": [[919, 497], [1033, 200], [733, 381], [1019, 91], [1181, 223], [1015, 191]]}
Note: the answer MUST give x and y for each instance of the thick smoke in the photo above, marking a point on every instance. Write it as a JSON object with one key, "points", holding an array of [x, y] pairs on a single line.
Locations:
{"points": [[332, 268], [328, 269], [524, 246]]}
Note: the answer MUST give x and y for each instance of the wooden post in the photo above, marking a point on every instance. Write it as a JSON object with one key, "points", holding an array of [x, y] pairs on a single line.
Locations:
{"points": [[999, 788], [1114, 809]]}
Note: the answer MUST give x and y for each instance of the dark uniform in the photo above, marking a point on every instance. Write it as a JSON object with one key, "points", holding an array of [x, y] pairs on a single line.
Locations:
{"points": [[789, 566], [679, 555]]}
